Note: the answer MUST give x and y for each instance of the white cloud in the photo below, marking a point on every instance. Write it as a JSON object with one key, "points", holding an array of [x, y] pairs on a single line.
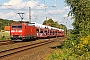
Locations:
{"points": [[65, 15], [66, 8], [2, 15], [17, 4], [10, 15], [54, 11], [58, 11]]}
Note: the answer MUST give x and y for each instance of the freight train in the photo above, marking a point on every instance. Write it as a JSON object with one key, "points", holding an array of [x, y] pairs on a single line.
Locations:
{"points": [[29, 31]]}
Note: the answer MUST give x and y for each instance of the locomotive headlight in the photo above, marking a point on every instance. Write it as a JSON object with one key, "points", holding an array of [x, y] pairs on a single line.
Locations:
{"points": [[20, 31], [12, 30]]}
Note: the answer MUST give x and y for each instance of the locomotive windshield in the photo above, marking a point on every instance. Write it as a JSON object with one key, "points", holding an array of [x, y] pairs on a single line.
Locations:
{"points": [[16, 26]]}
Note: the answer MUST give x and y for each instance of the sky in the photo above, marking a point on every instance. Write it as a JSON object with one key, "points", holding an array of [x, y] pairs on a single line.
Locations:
{"points": [[40, 9]]}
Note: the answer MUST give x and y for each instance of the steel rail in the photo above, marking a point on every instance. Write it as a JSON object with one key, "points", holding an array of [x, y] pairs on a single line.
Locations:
{"points": [[9, 52]]}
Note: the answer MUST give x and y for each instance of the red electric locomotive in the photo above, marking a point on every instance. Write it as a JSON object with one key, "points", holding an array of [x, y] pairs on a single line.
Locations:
{"points": [[22, 31]]}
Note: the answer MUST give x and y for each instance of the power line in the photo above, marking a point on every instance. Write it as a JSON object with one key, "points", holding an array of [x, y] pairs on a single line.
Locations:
{"points": [[5, 5]]}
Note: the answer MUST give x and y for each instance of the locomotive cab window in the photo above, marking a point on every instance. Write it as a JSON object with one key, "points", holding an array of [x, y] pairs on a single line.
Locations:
{"points": [[19, 26], [16, 26]]}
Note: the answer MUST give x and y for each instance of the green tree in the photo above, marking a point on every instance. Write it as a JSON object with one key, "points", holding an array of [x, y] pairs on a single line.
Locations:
{"points": [[5, 23], [50, 22], [80, 10]]}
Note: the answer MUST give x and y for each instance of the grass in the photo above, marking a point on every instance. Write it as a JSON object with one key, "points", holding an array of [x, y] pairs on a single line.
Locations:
{"points": [[4, 35], [61, 54], [66, 54]]}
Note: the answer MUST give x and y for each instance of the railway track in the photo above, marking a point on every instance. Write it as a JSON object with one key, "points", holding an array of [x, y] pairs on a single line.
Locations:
{"points": [[13, 51], [5, 42]]}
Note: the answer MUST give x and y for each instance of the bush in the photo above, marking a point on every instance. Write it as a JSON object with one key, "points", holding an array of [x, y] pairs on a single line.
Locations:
{"points": [[79, 46], [67, 54]]}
